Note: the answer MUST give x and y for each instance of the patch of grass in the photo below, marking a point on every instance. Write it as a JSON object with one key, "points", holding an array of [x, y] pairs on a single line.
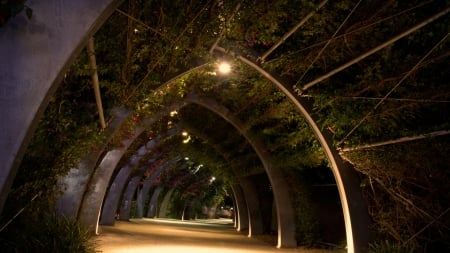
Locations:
{"points": [[50, 233]]}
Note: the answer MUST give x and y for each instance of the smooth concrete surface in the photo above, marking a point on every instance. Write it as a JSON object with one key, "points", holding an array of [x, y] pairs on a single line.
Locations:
{"points": [[34, 55], [168, 236], [77, 183], [241, 208]]}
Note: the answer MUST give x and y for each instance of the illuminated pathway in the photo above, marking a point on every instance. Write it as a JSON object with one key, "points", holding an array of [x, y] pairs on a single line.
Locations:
{"points": [[167, 236]]}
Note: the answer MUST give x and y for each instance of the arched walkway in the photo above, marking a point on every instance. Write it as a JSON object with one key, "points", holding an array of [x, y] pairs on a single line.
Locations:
{"points": [[24, 82], [166, 236]]}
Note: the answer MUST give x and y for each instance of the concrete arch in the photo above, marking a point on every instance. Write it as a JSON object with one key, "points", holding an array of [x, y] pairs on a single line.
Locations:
{"points": [[78, 180], [165, 203], [39, 51], [153, 204], [131, 186], [66, 25], [146, 188], [255, 224], [92, 202], [125, 208], [285, 211], [117, 186], [243, 210], [355, 212]]}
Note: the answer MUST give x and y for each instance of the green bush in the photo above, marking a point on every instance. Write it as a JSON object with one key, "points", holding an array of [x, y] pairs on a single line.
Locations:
{"points": [[51, 233]]}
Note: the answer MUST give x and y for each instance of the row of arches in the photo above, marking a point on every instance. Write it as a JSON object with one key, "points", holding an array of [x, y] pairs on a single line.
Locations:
{"points": [[67, 25]]}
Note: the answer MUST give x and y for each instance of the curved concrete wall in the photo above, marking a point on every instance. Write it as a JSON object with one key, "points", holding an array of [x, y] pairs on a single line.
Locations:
{"points": [[356, 216], [91, 206], [76, 183], [116, 189], [35, 53]]}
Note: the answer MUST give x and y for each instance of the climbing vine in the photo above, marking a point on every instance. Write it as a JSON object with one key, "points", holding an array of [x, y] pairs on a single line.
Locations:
{"points": [[399, 91]]}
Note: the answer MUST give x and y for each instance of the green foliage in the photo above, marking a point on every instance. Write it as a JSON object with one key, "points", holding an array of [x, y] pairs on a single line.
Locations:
{"points": [[166, 37], [47, 233], [406, 185], [307, 223]]}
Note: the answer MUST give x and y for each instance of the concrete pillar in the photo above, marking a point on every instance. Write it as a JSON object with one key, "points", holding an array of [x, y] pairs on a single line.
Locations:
{"points": [[142, 195], [76, 184], [91, 207], [153, 205], [127, 198], [235, 213], [34, 55], [117, 187], [73, 186], [254, 212], [90, 210], [165, 203], [241, 209]]}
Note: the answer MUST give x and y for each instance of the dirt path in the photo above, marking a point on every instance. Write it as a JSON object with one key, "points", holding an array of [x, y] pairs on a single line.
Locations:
{"points": [[174, 236]]}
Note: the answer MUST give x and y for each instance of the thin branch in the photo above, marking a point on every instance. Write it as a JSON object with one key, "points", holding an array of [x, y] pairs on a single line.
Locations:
{"points": [[399, 140], [222, 33], [150, 69], [357, 29], [429, 224], [328, 42], [288, 34], [376, 49], [140, 22], [395, 87]]}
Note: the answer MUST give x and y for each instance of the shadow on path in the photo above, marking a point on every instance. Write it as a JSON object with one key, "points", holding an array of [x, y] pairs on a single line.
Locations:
{"points": [[168, 236]]}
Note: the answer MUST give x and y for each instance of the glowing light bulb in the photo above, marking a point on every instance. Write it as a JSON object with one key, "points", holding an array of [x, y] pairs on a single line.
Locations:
{"points": [[224, 68]]}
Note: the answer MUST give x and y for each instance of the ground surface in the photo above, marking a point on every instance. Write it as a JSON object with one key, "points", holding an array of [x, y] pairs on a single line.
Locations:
{"points": [[167, 236]]}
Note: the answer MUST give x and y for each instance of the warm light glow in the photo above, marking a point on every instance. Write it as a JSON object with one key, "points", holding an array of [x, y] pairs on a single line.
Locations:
{"points": [[224, 68], [187, 140]]}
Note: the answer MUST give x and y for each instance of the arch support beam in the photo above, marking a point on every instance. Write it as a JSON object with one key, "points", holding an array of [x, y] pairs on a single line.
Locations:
{"points": [[78, 180], [355, 212], [241, 212], [255, 225], [285, 211], [38, 52], [117, 187]]}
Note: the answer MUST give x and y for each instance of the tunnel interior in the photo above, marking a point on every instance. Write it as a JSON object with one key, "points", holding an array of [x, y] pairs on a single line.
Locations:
{"points": [[330, 129]]}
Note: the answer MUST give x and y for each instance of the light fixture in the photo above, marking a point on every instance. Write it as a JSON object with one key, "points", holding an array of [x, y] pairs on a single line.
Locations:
{"points": [[224, 67]]}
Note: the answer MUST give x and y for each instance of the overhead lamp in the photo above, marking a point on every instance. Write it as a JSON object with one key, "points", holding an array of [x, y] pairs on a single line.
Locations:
{"points": [[224, 67]]}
